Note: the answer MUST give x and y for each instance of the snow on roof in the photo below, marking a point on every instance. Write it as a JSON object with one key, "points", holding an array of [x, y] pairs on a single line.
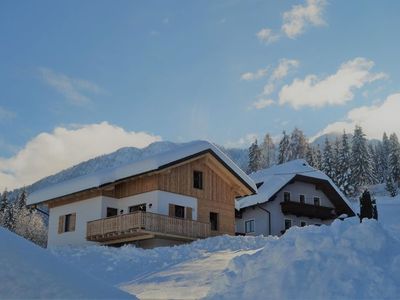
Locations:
{"points": [[278, 176], [182, 151]]}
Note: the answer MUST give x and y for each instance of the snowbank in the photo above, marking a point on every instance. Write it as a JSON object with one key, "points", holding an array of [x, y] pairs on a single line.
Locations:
{"points": [[28, 271], [120, 265], [344, 260]]}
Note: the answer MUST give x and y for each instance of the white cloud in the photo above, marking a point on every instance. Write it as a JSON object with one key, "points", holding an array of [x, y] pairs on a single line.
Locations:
{"points": [[300, 16], [74, 90], [243, 141], [335, 89], [254, 75], [48, 153], [6, 114], [283, 68], [374, 119], [267, 36], [262, 103]]}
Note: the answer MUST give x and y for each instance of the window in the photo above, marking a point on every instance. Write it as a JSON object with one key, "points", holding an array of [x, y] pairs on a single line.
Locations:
{"points": [[249, 226], [66, 223], [288, 224], [286, 196], [214, 220], [302, 224], [302, 199], [317, 201], [111, 211], [179, 211], [139, 207], [198, 180]]}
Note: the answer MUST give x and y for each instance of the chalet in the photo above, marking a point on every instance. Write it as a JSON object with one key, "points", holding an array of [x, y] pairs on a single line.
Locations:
{"points": [[172, 197], [290, 194]]}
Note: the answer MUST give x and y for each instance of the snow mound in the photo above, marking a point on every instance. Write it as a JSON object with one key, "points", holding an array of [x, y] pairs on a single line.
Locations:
{"points": [[345, 260], [27, 271], [120, 265]]}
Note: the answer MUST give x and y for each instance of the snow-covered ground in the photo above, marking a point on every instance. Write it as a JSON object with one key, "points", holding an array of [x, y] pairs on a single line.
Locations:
{"points": [[344, 260], [30, 272]]}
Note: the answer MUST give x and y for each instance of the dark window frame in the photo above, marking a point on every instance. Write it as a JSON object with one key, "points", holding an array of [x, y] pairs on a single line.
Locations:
{"points": [[137, 207], [303, 223], [317, 201], [67, 223], [288, 221], [304, 198], [284, 196], [179, 211], [252, 226], [214, 221], [111, 212], [198, 179]]}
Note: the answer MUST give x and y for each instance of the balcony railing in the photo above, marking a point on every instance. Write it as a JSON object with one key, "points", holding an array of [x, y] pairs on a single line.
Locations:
{"points": [[137, 224], [307, 210]]}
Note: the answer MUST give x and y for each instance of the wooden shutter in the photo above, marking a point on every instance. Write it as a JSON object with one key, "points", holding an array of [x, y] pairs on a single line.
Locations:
{"points": [[188, 213], [72, 222], [171, 210], [61, 224]]}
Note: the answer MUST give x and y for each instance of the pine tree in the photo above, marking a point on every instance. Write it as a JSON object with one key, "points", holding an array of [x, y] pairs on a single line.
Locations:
{"points": [[384, 156], [283, 154], [391, 186], [267, 152], [344, 167], [297, 145], [335, 159], [254, 157], [311, 156], [360, 160], [318, 158], [21, 200], [374, 154], [327, 160], [394, 159]]}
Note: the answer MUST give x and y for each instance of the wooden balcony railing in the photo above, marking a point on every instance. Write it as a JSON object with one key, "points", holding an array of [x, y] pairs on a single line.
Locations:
{"points": [[145, 223], [307, 210]]}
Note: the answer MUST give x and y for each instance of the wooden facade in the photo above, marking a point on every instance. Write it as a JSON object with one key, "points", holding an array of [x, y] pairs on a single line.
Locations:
{"points": [[220, 187]]}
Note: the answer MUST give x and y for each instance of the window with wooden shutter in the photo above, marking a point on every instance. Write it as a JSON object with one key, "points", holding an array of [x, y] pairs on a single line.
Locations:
{"points": [[188, 213], [171, 210], [61, 221], [72, 222]]}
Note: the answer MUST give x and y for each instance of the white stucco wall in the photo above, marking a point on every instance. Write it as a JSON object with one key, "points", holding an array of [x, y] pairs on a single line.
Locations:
{"points": [[96, 208], [261, 225]]}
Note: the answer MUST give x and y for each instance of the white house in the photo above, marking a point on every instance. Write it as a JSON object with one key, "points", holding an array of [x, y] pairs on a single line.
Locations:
{"points": [[172, 197], [290, 194]]}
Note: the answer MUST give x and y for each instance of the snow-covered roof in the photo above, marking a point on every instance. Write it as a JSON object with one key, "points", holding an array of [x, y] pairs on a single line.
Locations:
{"points": [[276, 177], [152, 163]]}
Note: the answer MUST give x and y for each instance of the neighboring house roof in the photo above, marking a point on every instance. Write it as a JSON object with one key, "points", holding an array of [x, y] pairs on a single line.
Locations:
{"points": [[159, 161], [275, 178]]}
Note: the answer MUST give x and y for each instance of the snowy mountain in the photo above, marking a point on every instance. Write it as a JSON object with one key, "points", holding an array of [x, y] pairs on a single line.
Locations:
{"points": [[121, 157]]}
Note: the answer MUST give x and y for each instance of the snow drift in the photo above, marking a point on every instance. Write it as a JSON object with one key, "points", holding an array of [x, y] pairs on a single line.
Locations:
{"points": [[344, 260], [28, 271]]}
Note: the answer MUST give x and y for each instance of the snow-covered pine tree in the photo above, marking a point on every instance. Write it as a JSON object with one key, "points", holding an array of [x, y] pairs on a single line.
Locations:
{"points": [[311, 156], [254, 157], [297, 145], [360, 160], [267, 152], [391, 186], [384, 156], [7, 214], [318, 157], [327, 160], [375, 162], [344, 166], [394, 159], [283, 154], [335, 158]]}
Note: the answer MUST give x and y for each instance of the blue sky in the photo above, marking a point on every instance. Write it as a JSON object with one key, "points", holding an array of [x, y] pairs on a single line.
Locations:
{"points": [[184, 70]]}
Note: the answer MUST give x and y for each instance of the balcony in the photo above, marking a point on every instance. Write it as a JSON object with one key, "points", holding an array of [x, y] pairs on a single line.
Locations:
{"points": [[307, 210], [144, 225]]}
